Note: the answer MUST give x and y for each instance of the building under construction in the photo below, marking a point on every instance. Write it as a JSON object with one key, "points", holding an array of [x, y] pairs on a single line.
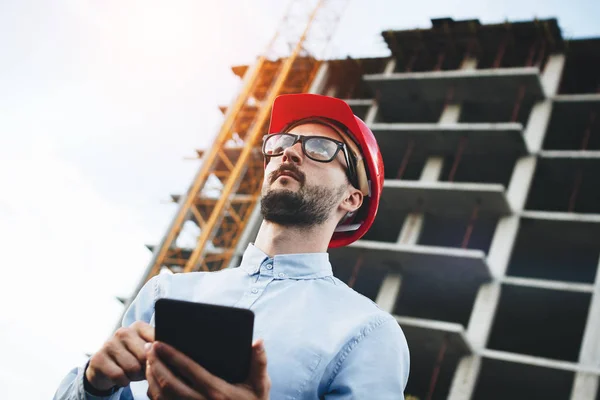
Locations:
{"points": [[486, 246]]}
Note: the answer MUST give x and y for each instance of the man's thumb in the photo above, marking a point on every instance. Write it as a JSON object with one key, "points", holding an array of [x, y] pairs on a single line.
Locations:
{"points": [[258, 369]]}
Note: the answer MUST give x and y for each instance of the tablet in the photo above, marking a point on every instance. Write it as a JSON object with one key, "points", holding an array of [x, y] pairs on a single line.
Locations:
{"points": [[219, 338]]}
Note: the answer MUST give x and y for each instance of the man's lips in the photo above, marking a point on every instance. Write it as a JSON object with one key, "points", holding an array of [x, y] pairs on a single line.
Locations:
{"points": [[288, 174]]}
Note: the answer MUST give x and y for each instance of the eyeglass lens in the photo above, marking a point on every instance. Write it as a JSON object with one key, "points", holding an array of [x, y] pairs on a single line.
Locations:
{"points": [[322, 149]]}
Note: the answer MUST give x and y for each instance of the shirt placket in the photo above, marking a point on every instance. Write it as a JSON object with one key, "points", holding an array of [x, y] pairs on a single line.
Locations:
{"points": [[258, 286]]}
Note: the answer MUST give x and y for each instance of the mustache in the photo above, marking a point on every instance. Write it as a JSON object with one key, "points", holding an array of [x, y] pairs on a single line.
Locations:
{"points": [[289, 169]]}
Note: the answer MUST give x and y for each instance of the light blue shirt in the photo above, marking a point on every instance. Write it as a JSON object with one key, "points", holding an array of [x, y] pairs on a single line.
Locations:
{"points": [[323, 339]]}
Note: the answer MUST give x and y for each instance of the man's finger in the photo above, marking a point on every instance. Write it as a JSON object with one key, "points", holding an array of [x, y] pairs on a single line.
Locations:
{"points": [[125, 360], [162, 381], [135, 345], [259, 378], [111, 370], [145, 330], [200, 378]]}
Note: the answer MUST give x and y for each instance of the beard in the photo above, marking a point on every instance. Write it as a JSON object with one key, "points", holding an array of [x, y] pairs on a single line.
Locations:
{"points": [[308, 207]]}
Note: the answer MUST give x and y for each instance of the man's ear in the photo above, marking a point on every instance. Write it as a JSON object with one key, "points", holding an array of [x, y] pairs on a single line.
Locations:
{"points": [[353, 200]]}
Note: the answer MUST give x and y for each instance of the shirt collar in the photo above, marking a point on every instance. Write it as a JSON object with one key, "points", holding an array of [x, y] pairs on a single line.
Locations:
{"points": [[293, 266]]}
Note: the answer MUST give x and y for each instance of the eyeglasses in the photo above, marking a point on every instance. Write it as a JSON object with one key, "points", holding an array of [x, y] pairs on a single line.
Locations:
{"points": [[317, 148]]}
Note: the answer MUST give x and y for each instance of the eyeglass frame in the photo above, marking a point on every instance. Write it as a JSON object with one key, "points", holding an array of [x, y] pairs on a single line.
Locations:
{"points": [[351, 169]]}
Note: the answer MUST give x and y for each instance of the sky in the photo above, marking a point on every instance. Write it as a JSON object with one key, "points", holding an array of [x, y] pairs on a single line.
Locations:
{"points": [[102, 105]]}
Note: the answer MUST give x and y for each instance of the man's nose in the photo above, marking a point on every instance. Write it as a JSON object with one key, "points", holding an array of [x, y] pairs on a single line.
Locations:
{"points": [[293, 154]]}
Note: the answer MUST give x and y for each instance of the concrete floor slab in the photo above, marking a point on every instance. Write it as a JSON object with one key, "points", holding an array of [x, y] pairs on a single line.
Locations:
{"points": [[561, 216], [445, 139], [536, 361], [548, 284], [492, 85], [577, 98], [359, 102], [431, 335], [444, 198], [360, 107], [572, 155], [452, 263]]}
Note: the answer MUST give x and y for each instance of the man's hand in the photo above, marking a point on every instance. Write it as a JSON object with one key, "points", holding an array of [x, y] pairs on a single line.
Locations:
{"points": [[163, 384], [122, 359]]}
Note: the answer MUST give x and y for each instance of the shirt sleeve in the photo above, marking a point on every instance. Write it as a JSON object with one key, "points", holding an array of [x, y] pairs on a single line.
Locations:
{"points": [[141, 309], [377, 361]]}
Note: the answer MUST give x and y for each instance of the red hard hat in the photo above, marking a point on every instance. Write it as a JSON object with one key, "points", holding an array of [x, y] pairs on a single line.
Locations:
{"points": [[289, 108]]}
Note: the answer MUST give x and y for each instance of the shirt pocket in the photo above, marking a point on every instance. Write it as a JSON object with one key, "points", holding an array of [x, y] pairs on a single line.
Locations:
{"points": [[294, 373]]}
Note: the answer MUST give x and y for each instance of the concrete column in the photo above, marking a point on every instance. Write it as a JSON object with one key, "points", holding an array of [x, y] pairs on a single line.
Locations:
{"points": [[552, 74], [318, 84], [520, 181], [484, 310], [589, 354], [585, 386], [465, 377], [469, 63], [372, 114], [540, 113], [413, 224], [488, 296], [411, 229], [390, 66], [388, 293], [451, 114], [536, 125]]}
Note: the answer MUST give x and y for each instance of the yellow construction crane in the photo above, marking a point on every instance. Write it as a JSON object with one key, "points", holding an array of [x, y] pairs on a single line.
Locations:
{"points": [[288, 65]]}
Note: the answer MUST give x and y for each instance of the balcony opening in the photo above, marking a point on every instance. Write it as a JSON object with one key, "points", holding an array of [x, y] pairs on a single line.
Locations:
{"points": [[540, 322]]}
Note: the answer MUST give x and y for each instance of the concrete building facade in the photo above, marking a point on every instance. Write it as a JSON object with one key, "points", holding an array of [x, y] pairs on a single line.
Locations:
{"points": [[486, 246]]}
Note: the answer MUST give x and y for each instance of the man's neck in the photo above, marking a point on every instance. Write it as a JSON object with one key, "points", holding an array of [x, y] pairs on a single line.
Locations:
{"points": [[275, 239]]}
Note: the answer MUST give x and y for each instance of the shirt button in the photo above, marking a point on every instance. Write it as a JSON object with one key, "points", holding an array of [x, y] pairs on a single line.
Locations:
{"points": [[255, 290], [281, 275], [269, 266]]}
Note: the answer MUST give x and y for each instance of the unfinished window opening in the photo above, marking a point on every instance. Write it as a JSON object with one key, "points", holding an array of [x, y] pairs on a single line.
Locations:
{"points": [[581, 68], [410, 111], [566, 184], [507, 380], [574, 125], [540, 322], [445, 297], [344, 79], [360, 110], [427, 373], [479, 168], [514, 111], [365, 279], [514, 51], [453, 231], [401, 160], [387, 224], [558, 250], [440, 59]]}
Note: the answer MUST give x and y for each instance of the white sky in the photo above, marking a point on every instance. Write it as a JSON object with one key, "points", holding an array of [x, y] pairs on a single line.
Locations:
{"points": [[99, 103]]}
